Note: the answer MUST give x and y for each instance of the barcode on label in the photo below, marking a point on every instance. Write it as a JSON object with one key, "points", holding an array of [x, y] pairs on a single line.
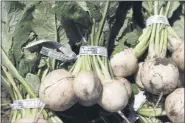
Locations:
{"points": [[157, 19], [93, 50], [27, 103], [17, 104]]}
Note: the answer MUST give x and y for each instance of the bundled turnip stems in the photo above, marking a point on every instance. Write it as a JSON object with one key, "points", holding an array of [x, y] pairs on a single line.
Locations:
{"points": [[158, 75], [26, 106], [90, 80]]}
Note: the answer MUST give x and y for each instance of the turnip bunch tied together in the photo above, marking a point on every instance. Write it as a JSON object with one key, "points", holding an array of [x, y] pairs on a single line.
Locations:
{"points": [[154, 40], [19, 89], [158, 74], [94, 81]]}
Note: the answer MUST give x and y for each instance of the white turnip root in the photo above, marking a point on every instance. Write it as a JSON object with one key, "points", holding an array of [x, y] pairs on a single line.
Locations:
{"points": [[178, 56], [174, 106], [176, 45], [31, 120], [127, 85], [159, 75], [173, 43], [56, 91], [124, 63], [87, 88], [138, 75], [114, 96]]}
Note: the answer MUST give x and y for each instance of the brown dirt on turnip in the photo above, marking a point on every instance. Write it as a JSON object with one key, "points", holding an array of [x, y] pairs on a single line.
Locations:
{"points": [[163, 61], [173, 113]]}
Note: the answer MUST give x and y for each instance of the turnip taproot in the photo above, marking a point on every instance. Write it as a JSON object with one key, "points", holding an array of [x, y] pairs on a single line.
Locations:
{"points": [[174, 106], [56, 91], [31, 120], [87, 87], [159, 75], [114, 96], [124, 63], [138, 75]]}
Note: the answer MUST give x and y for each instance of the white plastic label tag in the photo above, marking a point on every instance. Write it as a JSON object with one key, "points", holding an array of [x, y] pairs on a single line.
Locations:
{"points": [[93, 50], [27, 103], [33, 46], [157, 19], [17, 104], [67, 52], [33, 103], [139, 99], [54, 54]]}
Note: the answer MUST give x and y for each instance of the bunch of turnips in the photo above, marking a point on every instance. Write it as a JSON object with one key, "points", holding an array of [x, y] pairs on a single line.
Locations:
{"points": [[90, 80], [134, 68], [95, 80]]}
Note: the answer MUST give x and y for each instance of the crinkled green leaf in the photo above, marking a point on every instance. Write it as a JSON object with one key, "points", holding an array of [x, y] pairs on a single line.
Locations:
{"points": [[127, 23], [42, 63], [44, 22], [94, 9], [120, 46], [173, 6], [14, 14], [149, 120], [178, 26], [113, 8], [62, 36], [132, 38], [46, 25], [83, 5], [23, 67], [147, 111], [71, 10], [6, 38], [33, 81], [72, 17], [27, 63], [21, 37], [30, 57]]}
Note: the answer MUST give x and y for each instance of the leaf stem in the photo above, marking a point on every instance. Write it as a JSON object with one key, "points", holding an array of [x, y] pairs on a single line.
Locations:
{"points": [[102, 22]]}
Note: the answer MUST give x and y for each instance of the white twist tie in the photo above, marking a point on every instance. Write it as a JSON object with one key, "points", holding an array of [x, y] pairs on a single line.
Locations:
{"points": [[157, 19]]}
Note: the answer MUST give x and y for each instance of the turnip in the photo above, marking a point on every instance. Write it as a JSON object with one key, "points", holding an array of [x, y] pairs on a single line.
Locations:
{"points": [[176, 46], [124, 63], [127, 85], [174, 106], [174, 43], [56, 91], [159, 75], [114, 96], [87, 88], [178, 56], [31, 120], [138, 75]]}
